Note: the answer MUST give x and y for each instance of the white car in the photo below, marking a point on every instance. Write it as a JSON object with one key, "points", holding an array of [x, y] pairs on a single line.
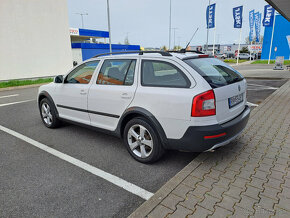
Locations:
{"points": [[154, 101]]}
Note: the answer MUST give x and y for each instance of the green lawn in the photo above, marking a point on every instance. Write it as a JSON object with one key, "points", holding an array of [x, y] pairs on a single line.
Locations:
{"points": [[286, 62], [234, 61], [12, 83]]}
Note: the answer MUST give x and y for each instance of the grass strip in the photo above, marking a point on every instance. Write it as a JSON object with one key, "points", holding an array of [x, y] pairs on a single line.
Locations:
{"points": [[286, 62], [234, 61], [12, 83]]}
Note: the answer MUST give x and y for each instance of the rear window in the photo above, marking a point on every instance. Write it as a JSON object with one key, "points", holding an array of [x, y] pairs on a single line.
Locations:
{"points": [[214, 71]]}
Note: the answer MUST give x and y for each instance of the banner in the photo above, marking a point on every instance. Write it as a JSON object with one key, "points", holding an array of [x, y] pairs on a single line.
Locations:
{"points": [[269, 12], [251, 23], [238, 16], [258, 17], [210, 16]]}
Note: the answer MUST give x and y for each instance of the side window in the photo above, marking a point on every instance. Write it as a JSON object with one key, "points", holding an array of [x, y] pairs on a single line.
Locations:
{"points": [[83, 73], [117, 72], [162, 74]]}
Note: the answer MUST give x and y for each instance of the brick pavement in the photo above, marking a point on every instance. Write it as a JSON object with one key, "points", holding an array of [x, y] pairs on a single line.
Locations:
{"points": [[248, 178]]}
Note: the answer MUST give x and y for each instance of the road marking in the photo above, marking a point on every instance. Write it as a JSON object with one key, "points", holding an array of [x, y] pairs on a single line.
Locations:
{"points": [[9, 96], [89, 168], [252, 104], [262, 86], [17, 102]]}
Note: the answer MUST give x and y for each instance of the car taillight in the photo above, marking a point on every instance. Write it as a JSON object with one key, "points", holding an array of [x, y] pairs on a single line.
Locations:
{"points": [[203, 104]]}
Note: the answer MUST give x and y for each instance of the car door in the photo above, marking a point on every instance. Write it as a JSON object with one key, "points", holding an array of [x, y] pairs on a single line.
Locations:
{"points": [[71, 95], [112, 92]]}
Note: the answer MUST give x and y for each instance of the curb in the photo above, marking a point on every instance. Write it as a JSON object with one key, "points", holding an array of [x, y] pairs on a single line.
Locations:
{"points": [[22, 87]]}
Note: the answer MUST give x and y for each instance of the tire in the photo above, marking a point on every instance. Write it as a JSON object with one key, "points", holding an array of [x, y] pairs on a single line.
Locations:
{"points": [[142, 141], [48, 114]]}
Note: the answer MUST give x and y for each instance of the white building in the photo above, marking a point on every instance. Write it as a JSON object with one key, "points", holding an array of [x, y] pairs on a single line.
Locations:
{"points": [[34, 38]]}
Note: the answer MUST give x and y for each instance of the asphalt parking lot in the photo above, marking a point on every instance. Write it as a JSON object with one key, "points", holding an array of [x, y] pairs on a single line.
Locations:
{"points": [[36, 183]]}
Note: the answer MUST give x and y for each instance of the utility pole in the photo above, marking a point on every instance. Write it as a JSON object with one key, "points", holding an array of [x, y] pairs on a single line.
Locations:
{"points": [[207, 30], [109, 25], [175, 28], [82, 16], [169, 25]]}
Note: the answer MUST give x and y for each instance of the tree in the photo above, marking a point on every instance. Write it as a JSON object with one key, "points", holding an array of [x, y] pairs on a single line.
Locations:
{"points": [[244, 50], [164, 48], [177, 48], [254, 40]]}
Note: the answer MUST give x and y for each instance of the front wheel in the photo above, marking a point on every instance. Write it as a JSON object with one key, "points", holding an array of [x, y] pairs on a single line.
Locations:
{"points": [[48, 113], [142, 141]]}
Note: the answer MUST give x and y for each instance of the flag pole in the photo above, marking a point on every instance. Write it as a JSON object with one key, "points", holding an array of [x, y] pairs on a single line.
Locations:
{"points": [[213, 48], [272, 37], [239, 46], [251, 50]]}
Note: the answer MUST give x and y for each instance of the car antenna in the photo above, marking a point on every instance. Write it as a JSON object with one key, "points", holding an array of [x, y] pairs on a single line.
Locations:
{"points": [[184, 49]]}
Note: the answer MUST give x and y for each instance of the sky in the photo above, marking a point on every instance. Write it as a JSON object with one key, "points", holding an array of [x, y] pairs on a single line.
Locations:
{"points": [[146, 22]]}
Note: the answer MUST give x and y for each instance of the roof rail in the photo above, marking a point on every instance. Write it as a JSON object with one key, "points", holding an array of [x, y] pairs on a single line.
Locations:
{"points": [[163, 53], [184, 51]]}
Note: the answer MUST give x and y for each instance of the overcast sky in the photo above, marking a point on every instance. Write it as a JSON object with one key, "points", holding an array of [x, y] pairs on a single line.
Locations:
{"points": [[147, 21]]}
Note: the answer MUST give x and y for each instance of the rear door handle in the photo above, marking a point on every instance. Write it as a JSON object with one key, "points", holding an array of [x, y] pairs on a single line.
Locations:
{"points": [[83, 92]]}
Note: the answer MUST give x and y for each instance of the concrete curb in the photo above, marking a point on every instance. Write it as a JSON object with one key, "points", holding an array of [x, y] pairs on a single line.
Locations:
{"points": [[21, 87]]}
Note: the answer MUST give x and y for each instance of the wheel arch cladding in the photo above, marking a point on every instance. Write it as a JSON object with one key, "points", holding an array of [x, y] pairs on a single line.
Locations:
{"points": [[134, 112], [43, 95]]}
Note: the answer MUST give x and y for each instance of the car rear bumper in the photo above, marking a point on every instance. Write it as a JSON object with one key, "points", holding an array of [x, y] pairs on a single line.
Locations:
{"points": [[204, 138]]}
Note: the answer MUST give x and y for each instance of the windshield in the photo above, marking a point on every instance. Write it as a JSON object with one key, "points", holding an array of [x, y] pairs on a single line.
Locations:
{"points": [[214, 71]]}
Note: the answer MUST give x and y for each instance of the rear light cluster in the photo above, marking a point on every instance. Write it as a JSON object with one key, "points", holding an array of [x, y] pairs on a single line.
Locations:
{"points": [[203, 104]]}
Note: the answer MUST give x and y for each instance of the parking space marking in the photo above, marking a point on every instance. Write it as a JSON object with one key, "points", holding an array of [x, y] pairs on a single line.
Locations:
{"points": [[89, 168], [9, 96], [253, 87], [17, 102]]}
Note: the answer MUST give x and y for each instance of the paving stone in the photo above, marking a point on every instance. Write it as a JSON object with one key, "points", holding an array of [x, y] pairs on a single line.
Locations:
{"points": [[228, 203], [270, 192], [207, 182], [252, 192], [180, 212], [273, 183], [266, 203], [286, 183], [223, 182], [209, 202], [276, 175], [240, 182], [247, 203], [265, 168], [283, 204], [261, 175], [256, 182], [159, 211], [263, 212], [171, 201], [199, 191], [217, 191], [285, 194], [181, 190], [229, 174], [214, 174], [281, 213], [200, 212], [199, 173], [190, 201], [221, 213], [241, 212], [234, 192], [191, 181]]}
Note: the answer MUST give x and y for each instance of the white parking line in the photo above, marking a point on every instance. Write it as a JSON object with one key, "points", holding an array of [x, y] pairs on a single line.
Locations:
{"points": [[9, 96], [17, 102], [89, 168]]}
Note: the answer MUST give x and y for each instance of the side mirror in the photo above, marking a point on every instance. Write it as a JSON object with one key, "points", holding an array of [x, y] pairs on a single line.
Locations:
{"points": [[58, 79], [75, 63]]}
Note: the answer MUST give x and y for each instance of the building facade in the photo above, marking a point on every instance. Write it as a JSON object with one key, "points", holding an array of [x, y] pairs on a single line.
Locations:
{"points": [[35, 39]]}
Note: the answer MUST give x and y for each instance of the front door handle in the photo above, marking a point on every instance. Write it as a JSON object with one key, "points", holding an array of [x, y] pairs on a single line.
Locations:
{"points": [[125, 95]]}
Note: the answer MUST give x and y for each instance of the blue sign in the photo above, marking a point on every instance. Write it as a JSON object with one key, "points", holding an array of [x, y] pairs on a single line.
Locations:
{"points": [[251, 23], [258, 18], [238, 17], [210, 16], [269, 12]]}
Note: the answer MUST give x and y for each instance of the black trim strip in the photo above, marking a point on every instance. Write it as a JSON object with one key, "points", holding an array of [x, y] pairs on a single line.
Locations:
{"points": [[88, 111]]}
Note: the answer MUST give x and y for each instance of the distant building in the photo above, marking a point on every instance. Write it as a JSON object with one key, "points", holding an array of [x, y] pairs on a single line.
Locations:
{"points": [[281, 39]]}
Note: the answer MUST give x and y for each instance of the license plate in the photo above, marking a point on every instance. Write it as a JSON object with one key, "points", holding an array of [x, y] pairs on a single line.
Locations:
{"points": [[235, 100]]}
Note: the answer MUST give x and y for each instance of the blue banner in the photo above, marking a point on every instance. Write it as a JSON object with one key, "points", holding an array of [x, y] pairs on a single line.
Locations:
{"points": [[269, 12], [210, 16], [251, 23], [258, 17], [238, 17]]}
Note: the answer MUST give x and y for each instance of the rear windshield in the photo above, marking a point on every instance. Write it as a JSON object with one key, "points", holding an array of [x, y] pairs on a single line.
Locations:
{"points": [[214, 71]]}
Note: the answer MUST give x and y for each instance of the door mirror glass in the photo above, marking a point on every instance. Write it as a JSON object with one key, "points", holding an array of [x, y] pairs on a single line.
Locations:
{"points": [[58, 79]]}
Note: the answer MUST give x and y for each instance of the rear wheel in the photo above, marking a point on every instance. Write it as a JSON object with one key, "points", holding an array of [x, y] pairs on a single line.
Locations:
{"points": [[142, 141], [48, 114]]}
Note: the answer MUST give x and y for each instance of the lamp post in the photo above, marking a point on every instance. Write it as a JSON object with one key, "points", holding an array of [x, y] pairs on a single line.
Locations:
{"points": [[109, 25], [82, 15], [175, 28], [169, 25]]}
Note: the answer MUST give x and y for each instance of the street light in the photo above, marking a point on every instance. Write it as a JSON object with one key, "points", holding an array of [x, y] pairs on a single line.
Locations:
{"points": [[175, 28], [109, 25], [169, 25], [82, 15]]}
